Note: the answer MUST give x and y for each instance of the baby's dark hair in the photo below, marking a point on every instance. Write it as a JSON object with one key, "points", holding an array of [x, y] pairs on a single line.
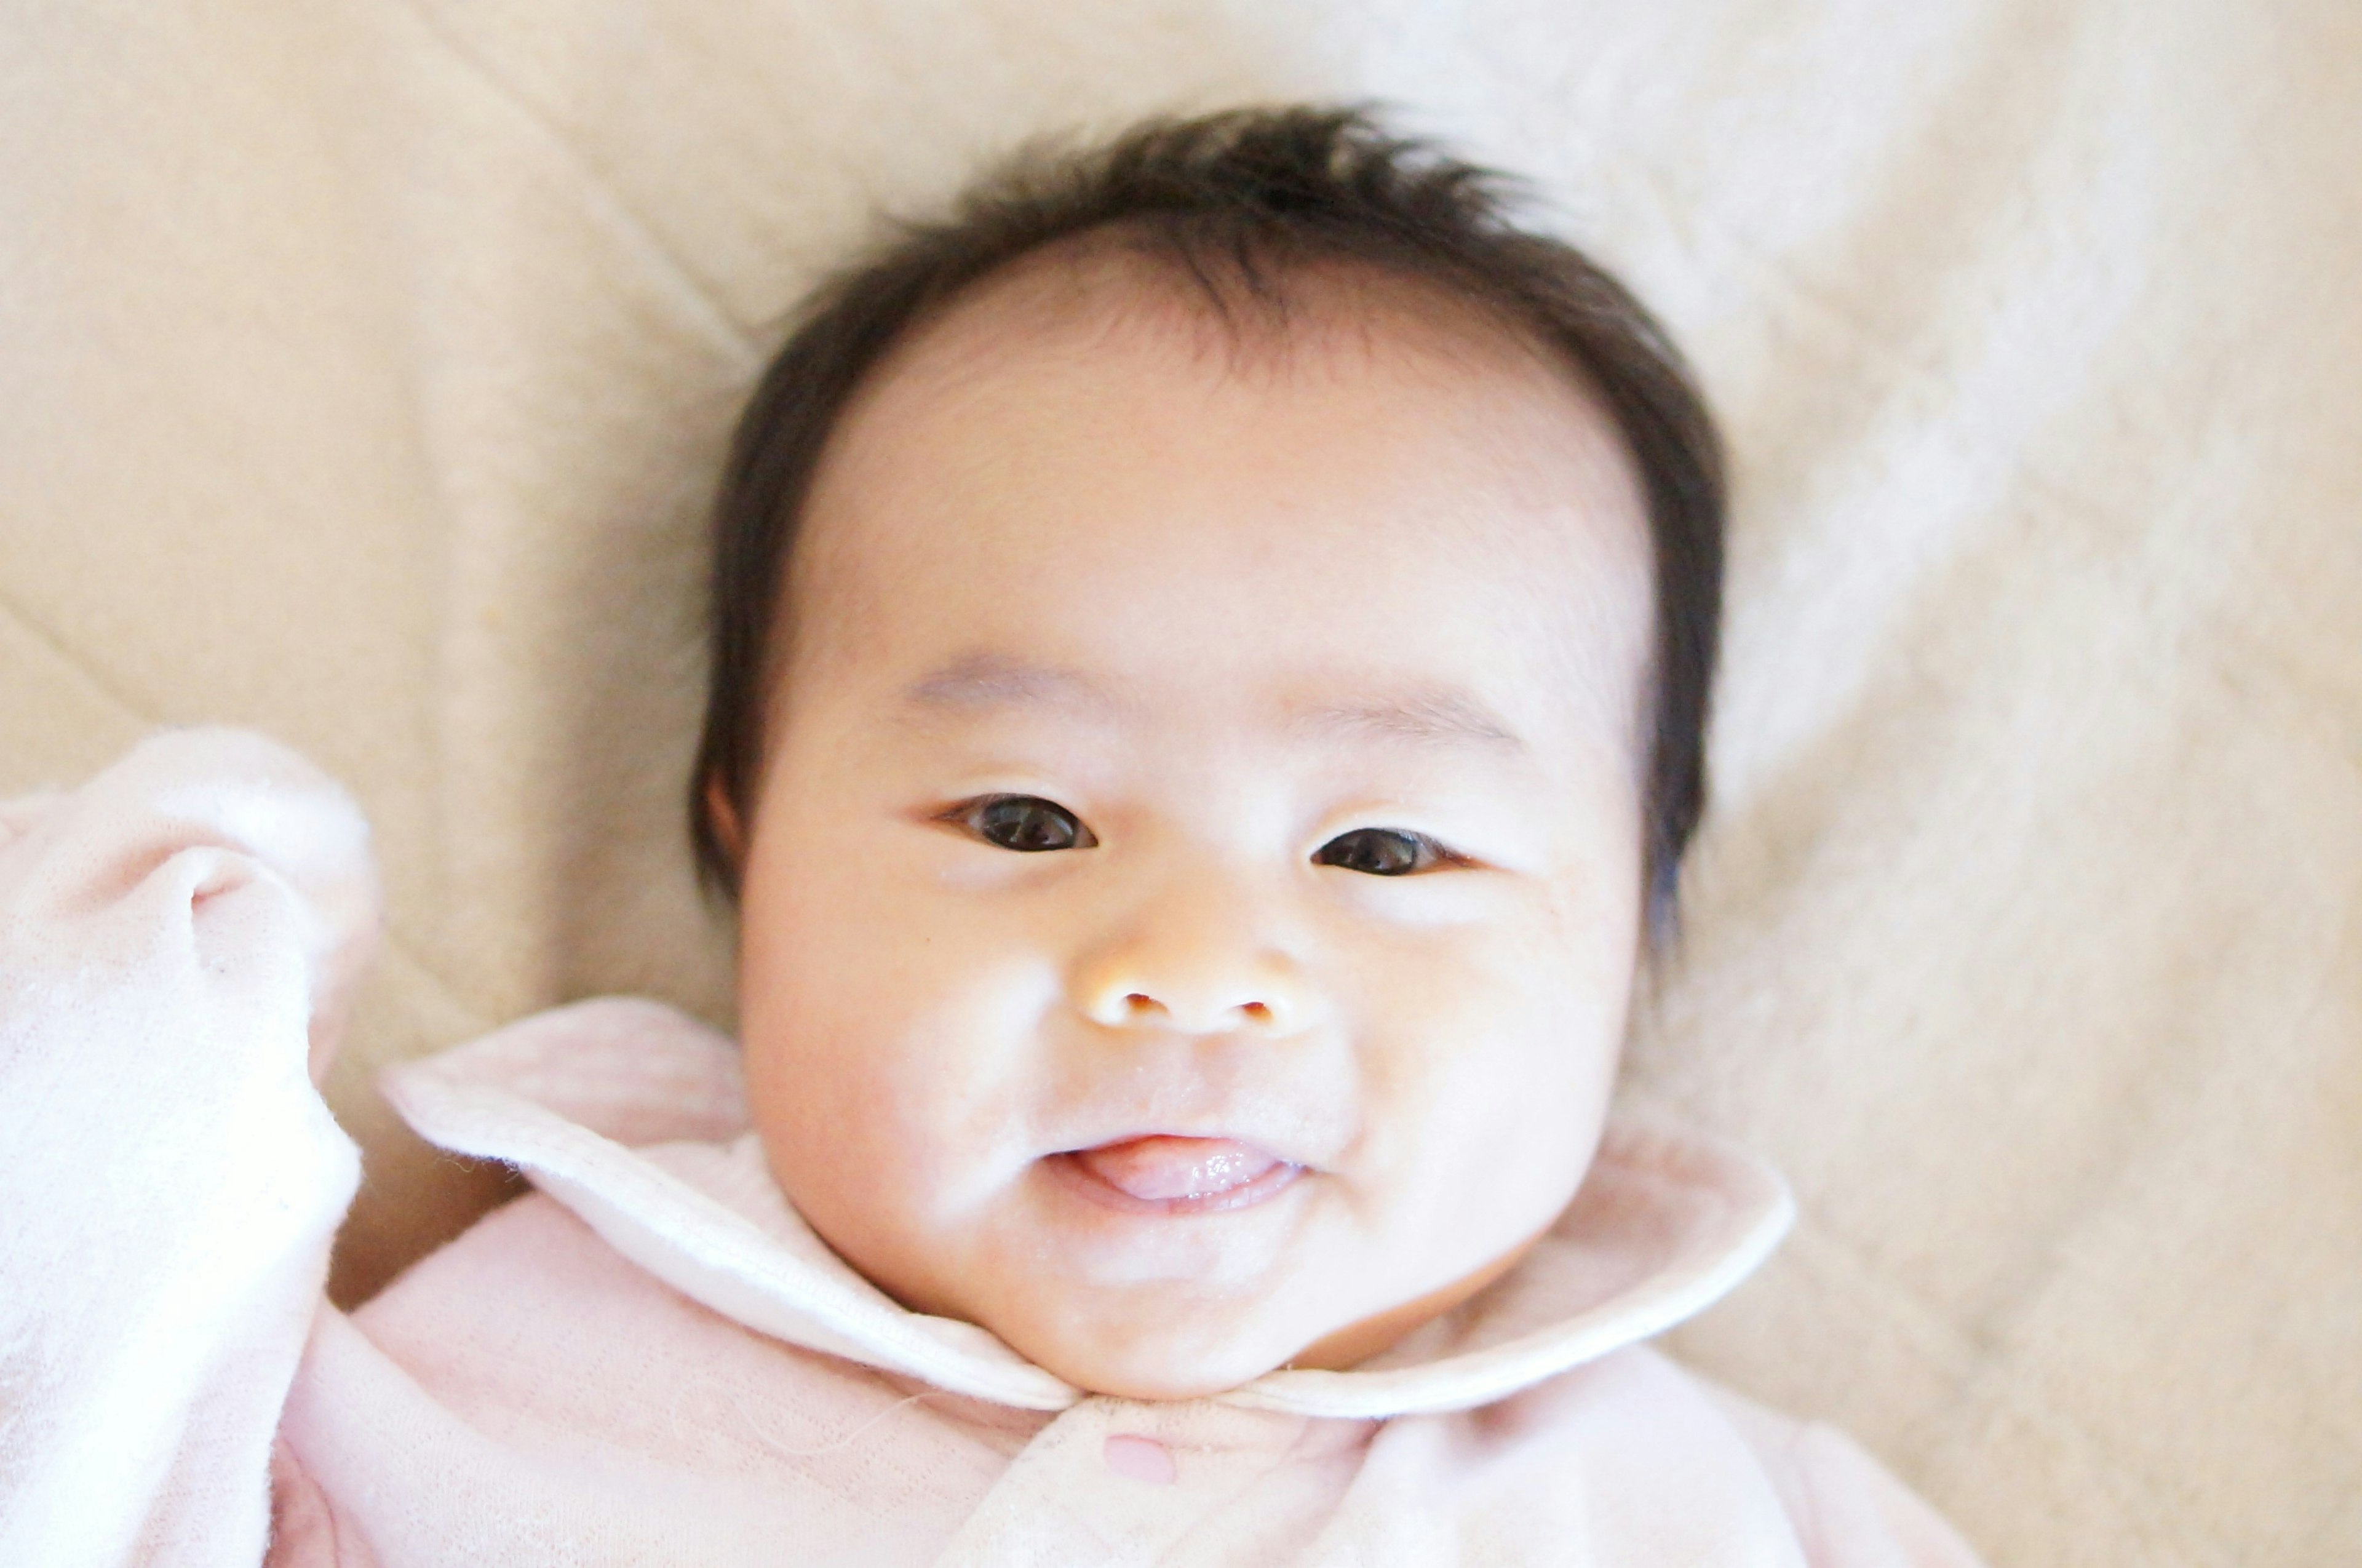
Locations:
{"points": [[1235, 202]]}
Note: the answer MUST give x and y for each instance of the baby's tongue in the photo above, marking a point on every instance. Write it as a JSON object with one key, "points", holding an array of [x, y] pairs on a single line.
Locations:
{"points": [[1153, 1169]]}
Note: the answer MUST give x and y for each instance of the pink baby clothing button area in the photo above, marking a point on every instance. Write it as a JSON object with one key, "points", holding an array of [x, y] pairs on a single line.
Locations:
{"points": [[1141, 1459]]}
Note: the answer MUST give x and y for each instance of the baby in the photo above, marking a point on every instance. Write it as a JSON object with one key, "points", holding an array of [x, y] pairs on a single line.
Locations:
{"points": [[1211, 648]]}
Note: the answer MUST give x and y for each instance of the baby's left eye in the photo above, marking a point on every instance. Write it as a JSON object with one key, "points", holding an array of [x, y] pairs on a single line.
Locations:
{"points": [[1381, 852], [1027, 823]]}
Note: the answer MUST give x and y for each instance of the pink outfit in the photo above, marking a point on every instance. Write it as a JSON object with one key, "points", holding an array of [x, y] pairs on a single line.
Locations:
{"points": [[652, 1359]]}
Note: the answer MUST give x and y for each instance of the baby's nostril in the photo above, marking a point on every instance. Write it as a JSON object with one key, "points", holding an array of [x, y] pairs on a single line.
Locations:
{"points": [[1258, 1011], [1138, 1003]]}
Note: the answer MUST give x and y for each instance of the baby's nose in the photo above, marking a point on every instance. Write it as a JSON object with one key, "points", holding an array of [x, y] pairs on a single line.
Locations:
{"points": [[1202, 949], [1138, 1007], [1195, 988]]}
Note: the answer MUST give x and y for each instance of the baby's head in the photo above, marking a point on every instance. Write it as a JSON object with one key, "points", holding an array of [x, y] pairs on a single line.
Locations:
{"points": [[1212, 648]]}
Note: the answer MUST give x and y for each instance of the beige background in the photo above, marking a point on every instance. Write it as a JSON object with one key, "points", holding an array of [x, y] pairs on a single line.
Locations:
{"points": [[363, 368]]}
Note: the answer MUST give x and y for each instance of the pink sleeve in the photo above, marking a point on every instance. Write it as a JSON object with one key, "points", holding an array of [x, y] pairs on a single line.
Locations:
{"points": [[177, 941], [1847, 1510]]}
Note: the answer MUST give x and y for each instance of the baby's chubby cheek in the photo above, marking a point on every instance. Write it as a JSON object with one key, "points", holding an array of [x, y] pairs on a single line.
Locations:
{"points": [[872, 1085], [1487, 1082]]}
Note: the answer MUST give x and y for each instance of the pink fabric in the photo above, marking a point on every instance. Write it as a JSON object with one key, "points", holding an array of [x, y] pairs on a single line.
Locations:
{"points": [[651, 1359]]}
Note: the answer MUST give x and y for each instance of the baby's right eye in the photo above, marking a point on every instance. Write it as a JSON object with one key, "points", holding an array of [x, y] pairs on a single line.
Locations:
{"points": [[1027, 823]]}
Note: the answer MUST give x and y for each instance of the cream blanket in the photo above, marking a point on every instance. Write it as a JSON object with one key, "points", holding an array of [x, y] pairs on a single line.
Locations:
{"points": [[366, 365]]}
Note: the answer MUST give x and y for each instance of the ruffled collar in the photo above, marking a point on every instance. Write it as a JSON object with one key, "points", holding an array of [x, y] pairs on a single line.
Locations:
{"points": [[633, 1115]]}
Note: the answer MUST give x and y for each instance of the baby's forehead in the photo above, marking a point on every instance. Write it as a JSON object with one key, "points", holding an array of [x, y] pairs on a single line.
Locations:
{"points": [[1048, 342], [1335, 341], [1107, 422]]}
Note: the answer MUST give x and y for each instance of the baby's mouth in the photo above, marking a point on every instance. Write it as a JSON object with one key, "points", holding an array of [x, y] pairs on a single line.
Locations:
{"points": [[1165, 1175]]}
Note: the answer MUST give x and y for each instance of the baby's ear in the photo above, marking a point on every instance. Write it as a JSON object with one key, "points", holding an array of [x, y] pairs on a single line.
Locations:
{"points": [[722, 814]]}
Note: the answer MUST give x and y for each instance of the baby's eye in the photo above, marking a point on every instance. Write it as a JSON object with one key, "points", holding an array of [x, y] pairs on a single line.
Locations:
{"points": [[1381, 852], [1024, 822]]}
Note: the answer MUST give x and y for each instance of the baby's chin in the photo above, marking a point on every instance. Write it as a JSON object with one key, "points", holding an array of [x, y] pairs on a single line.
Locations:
{"points": [[1181, 1321], [1153, 1352], [1174, 1345]]}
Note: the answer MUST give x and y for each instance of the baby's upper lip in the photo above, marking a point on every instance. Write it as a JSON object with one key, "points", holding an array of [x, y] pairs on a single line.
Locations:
{"points": [[1252, 1144]]}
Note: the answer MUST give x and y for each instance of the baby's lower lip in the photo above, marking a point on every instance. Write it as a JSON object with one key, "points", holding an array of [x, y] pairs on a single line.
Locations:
{"points": [[1161, 1174]]}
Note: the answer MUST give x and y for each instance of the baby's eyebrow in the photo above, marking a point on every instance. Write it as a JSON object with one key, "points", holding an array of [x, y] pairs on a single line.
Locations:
{"points": [[994, 680], [1441, 716], [1445, 717]]}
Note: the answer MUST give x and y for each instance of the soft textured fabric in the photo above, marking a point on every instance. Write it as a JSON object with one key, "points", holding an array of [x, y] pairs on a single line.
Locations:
{"points": [[652, 1359], [367, 364]]}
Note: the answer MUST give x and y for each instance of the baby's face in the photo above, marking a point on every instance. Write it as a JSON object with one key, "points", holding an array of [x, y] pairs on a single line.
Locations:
{"points": [[1192, 898]]}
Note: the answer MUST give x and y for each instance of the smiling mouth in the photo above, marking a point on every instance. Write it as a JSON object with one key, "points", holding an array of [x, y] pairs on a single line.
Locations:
{"points": [[1163, 1175]]}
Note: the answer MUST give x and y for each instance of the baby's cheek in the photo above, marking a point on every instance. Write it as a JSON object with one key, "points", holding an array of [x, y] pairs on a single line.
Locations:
{"points": [[1533, 990], [846, 1126], [907, 1067], [1492, 1059]]}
